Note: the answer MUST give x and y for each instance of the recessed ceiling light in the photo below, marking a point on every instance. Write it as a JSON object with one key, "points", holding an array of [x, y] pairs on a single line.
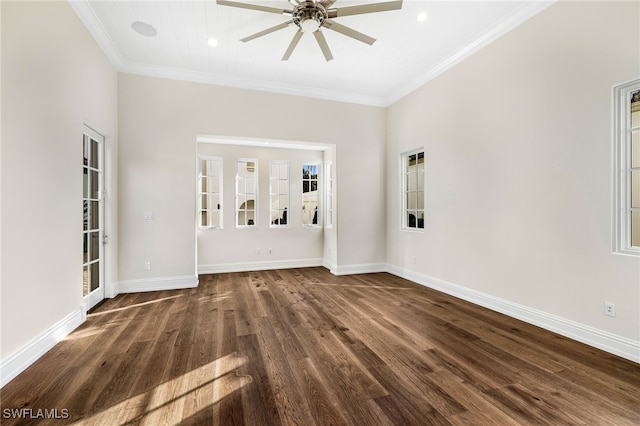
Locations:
{"points": [[144, 29], [422, 17], [212, 42]]}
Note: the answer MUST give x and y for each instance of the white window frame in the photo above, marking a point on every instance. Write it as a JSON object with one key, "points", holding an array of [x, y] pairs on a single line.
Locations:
{"points": [[328, 216], [404, 209], [318, 223], [622, 168], [201, 209], [238, 194], [275, 190]]}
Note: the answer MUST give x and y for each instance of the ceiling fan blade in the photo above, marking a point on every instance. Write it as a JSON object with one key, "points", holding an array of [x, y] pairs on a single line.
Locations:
{"points": [[254, 7], [349, 32], [292, 45], [322, 42], [365, 8], [327, 3], [267, 31], [294, 3]]}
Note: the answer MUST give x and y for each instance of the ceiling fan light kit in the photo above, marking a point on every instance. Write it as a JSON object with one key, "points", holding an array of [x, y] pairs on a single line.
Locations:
{"points": [[311, 16]]}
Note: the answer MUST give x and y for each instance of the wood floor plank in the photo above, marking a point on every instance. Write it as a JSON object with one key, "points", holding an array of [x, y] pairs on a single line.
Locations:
{"points": [[305, 347], [259, 393]]}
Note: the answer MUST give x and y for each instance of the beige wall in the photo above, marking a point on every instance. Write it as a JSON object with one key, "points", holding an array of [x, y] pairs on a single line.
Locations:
{"points": [[159, 121], [54, 79], [518, 156]]}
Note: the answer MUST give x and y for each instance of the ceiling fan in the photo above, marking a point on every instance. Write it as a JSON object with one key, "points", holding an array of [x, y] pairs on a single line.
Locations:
{"points": [[310, 16]]}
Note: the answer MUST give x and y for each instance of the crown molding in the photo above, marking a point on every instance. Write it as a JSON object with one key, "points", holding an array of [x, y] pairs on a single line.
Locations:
{"points": [[475, 45], [84, 11]]}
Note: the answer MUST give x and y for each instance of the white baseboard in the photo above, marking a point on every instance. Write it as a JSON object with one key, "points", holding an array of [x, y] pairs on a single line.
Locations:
{"points": [[362, 268], [258, 266], [29, 353], [158, 284], [609, 342]]}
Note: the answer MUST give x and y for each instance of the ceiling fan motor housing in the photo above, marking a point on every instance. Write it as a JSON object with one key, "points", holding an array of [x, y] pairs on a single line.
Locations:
{"points": [[309, 16]]}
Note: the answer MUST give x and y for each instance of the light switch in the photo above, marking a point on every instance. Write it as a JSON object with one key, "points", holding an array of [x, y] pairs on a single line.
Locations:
{"points": [[148, 215]]}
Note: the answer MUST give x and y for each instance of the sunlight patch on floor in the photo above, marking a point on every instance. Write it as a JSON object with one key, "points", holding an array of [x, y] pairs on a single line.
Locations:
{"points": [[178, 398], [137, 305]]}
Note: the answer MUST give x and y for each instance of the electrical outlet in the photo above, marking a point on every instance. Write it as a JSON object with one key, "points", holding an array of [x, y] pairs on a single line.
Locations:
{"points": [[610, 309], [148, 215], [147, 266]]}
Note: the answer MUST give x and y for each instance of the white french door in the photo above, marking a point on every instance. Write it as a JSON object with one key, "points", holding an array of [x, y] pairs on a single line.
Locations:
{"points": [[93, 235]]}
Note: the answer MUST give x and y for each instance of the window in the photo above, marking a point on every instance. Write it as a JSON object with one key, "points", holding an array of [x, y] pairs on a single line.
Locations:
{"points": [[210, 192], [413, 190], [246, 193], [279, 193], [310, 213], [328, 221], [627, 168]]}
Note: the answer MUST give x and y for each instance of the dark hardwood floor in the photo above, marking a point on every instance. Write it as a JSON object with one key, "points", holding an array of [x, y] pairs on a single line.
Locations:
{"points": [[304, 347]]}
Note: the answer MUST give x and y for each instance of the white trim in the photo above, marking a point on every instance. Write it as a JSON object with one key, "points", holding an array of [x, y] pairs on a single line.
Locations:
{"points": [[609, 342], [220, 268], [261, 142], [98, 32], [362, 268], [16, 363], [621, 166], [158, 284]]}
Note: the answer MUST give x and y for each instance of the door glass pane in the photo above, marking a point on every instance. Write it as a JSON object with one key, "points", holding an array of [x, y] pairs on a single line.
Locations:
{"points": [[85, 250], [94, 276], [635, 229], [215, 217], [412, 200], [95, 184], [635, 109], [635, 189], [412, 219], [85, 215], [94, 249], [242, 199], [94, 215], [85, 280], [635, 149], [93, 158], [85, 182], [85, 150]]}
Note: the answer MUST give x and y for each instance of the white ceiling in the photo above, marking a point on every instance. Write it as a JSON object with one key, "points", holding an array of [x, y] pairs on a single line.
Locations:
{"points": [[406, 55]]}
